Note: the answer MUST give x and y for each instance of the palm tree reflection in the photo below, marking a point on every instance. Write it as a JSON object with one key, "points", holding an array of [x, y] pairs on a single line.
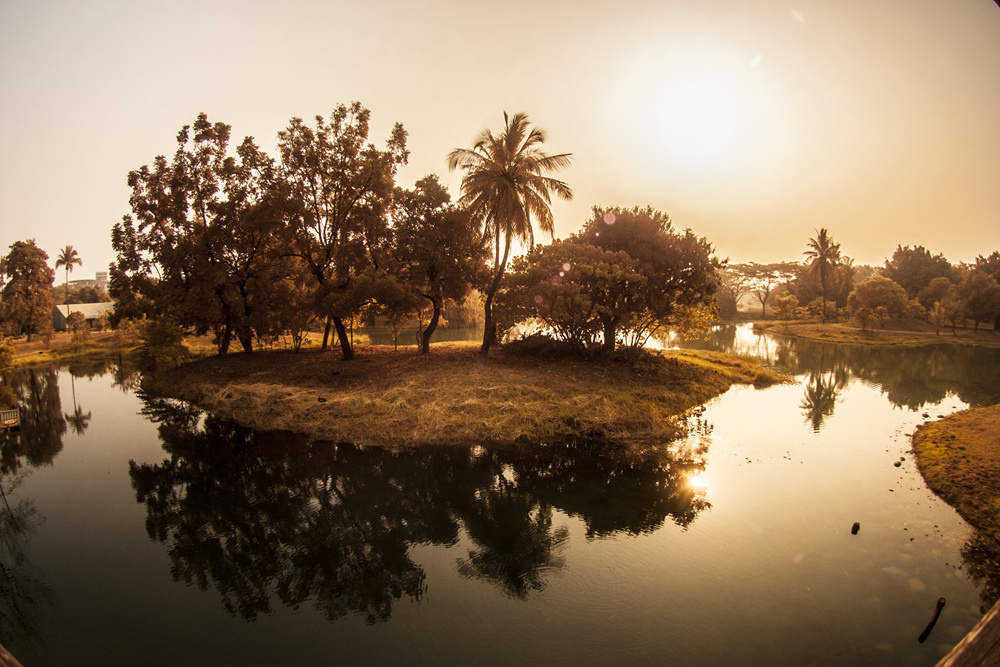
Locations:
{"points": [[821, 394]]}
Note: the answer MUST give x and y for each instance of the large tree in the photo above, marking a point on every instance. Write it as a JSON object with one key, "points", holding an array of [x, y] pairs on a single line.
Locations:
{"points": [[68, 257], [823, 256], [506, 188], [340, 188], [438, 247], [203, 235], [680, 270], [27, 293], [914, 268]]}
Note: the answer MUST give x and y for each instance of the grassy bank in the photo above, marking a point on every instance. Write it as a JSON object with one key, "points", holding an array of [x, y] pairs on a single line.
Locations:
{"points": [[959, 457], [906, 333], [396, 398]]}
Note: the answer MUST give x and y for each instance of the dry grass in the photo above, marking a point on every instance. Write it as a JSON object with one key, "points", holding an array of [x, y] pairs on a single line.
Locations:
{"points": [[397, 398], [905, 333], [959, 457]]}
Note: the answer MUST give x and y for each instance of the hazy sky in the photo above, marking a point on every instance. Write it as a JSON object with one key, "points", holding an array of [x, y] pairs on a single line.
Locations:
{"points": [[752, 123]]}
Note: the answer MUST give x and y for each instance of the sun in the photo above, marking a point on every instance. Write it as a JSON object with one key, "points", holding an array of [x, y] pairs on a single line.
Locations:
{"points": [[696, 120]]}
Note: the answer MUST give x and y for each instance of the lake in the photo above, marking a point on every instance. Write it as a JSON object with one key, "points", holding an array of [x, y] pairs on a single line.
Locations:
{"points": [[141, 531]]}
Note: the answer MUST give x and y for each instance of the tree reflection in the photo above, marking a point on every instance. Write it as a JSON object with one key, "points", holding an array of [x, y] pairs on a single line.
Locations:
{"points": [[821, 394], [267, 518], [516, 543], [42, 421], [22, 594], [981, 554]]}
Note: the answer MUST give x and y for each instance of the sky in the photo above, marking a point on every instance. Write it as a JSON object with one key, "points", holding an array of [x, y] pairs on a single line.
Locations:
{"points": [[753, 123]]}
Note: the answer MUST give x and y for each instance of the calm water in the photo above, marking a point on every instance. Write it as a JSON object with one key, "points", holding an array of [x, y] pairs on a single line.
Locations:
{"points": [[144, 532]]}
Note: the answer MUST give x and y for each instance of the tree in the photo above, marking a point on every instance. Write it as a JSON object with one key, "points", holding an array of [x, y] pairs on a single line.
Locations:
{"points": [[27, 294], [764, 278], [339, 188], [823, 255], [204, 233], [571, 288], [786, 305], [914, 268], [876, 292], [68, 257], [438, 247], [680, 269], [505, 186], [991, 265], [734, 284], [981, 295]]}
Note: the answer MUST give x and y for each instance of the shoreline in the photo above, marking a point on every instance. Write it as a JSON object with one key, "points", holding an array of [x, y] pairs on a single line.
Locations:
{"points": [[959, 459], [397, 398], [909, 333]]}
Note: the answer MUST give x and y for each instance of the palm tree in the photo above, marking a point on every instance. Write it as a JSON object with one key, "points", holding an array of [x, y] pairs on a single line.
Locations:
{"points": [[504, 187], [823, 256], [68, 257]]}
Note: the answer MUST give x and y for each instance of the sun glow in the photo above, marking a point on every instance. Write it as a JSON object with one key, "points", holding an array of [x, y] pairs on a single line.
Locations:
{"points": [[698, 482], [696, 120]]}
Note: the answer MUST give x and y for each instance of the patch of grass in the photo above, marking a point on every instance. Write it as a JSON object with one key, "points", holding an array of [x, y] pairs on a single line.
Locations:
{"points": [[395, 398], [959, 457]]}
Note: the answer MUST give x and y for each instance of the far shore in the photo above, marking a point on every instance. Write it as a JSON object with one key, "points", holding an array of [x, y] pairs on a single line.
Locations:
{"points": [[901, 333], [400, 398]]}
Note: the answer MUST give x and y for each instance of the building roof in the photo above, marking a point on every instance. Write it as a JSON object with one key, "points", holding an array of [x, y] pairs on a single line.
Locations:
{"points": [[91, 311]]}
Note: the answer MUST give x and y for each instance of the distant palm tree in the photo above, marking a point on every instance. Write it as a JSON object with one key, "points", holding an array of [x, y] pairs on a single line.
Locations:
{"points": [[504, 187], [823, 256], [68, 257]]}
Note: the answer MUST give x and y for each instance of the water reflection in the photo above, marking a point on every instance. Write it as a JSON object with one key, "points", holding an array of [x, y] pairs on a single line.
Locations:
{"points": [[822, 391], [265, 517], [911, 377], [42, 420], [23, 594]]}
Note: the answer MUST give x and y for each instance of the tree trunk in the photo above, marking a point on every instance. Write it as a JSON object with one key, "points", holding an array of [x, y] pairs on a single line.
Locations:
{"points": [[609, 333], [425, 342], [224, 338], [489, 334], [246, 340], [326, 334], [345, 342]]}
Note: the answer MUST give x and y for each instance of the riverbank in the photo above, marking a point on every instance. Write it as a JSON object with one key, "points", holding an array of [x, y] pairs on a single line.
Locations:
{"points": [[902, 333], [959, 457], [398, 398]]}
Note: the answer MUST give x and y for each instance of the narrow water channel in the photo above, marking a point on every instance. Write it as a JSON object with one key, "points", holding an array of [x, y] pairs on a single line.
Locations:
{"points": [[138, 531]]}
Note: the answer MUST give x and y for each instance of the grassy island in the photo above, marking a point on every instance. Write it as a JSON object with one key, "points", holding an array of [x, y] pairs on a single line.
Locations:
{"points": [[396, 398], [959, 457]]}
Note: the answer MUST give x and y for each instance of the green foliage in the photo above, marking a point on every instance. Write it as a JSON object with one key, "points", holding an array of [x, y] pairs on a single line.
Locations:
{"points": [[876, 292], [569, 287], [625, 277], [206, 224], [680, 269], [786, 305], [27, 292], [338, 190], [77, 323], [438, 248], [162, 344], [914, 268], [980, 295], [823, 256]]}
